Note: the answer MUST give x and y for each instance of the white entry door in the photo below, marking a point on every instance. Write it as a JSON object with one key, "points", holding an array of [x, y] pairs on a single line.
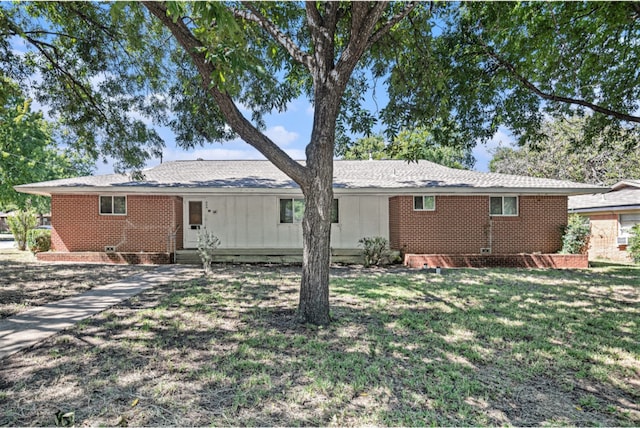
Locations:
{"points": [[194, 221]]}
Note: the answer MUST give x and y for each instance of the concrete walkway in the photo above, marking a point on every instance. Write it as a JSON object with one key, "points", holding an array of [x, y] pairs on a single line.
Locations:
{"points": [[30, 327]]}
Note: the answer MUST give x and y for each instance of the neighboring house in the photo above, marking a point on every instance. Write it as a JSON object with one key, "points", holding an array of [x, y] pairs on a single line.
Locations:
{"points": [[43, 220], [612, 215], [253, 208]]}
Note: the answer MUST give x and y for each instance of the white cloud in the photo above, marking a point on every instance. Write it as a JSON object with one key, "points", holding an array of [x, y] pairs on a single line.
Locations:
{"points": [[310, 110], [483, 152], [279, 135]]}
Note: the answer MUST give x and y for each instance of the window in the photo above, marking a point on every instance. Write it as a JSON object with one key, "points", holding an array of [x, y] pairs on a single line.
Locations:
{"points": [[627, 221], [195, 214], [424, 203], [292, 210], [113, 205], [503, 205]]}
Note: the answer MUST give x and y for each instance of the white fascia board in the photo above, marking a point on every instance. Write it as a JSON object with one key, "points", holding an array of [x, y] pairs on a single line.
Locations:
{"points": [[179, 191]]}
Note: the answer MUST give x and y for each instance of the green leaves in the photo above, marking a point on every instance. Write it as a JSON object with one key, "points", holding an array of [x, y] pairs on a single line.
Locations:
{"points": [[29, 153]]}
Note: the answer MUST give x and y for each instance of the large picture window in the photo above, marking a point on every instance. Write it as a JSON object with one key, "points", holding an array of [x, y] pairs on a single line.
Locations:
{"points": [[503, 205], [113, 205], [292, 210], [424, 203]]}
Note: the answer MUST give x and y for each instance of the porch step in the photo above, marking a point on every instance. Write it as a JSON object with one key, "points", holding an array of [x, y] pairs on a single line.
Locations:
{"points": [[266, 255]]}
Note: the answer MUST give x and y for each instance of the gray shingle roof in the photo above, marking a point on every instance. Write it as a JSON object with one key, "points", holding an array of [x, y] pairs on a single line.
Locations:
{"points": [[624, 195], [259, 174]]}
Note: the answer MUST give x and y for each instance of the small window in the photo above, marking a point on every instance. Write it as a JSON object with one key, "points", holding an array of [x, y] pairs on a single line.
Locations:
{"points": [[335, 217], [626, 222], [424, 203], [195, 214], [292, 211], [503, 205], [113, 205]]}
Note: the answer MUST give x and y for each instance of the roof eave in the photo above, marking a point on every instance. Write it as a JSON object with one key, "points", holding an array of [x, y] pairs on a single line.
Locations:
{"points": [[178, 190]]}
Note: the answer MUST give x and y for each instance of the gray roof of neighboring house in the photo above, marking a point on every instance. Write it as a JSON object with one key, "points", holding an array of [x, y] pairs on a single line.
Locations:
{"points": [[624, 195], [192, 176]]}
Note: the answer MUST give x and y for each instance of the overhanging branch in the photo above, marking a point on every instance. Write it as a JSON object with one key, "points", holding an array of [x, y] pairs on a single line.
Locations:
{"points": [[234, 118], [253, 15], [552, 97]]}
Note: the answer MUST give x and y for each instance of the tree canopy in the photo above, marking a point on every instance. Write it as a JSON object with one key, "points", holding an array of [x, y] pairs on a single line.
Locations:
{"points": [[410, 145], [110, 70], [564, 156], [28, 152]]}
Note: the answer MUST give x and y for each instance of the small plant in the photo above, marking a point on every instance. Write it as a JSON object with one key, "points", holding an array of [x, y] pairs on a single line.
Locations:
{"points": [[634, 243], [207, 244], [576, 235], [20, 223], [39, 240], [375, 250]]}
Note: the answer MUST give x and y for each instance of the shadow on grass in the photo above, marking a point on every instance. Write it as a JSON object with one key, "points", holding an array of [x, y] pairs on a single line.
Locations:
{"points": [[472, 347]]}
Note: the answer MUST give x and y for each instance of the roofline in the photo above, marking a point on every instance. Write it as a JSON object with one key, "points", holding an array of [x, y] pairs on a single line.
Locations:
{"points": [[625, 183], [179, 190], [611, 209]]}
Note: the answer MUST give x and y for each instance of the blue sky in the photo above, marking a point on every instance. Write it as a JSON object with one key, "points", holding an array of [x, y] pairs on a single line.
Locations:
{"points": [[291, 130]]}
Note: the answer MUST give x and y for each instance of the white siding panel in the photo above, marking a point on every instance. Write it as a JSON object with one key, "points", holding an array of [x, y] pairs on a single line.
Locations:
{"points": [[360, 216], [246, 221]]}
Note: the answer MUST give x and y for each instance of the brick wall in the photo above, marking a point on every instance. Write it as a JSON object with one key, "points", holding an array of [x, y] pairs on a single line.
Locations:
{"points": [[603, 243], [78, 225], [554, 261], [462, 225]]}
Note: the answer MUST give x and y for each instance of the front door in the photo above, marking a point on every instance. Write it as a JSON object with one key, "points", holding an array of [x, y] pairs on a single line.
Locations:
{"points": [[195, 221]]}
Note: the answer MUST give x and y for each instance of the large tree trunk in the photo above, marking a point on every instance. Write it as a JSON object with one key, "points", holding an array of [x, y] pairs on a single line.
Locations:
{"points": [[316, 224], [316, 231]]}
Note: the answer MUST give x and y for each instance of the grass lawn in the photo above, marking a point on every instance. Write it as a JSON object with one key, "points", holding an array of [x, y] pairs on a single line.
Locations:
{"points": [[471, 347], [25, 283]]}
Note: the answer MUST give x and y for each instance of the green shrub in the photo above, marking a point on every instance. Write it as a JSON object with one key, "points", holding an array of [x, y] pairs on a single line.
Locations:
{"points": [[21, 222], [375, 250], [39, 240], [576, 235], [207, 244], [633, 248]]}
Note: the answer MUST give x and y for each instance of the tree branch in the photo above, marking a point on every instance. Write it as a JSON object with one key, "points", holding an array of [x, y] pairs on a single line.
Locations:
{"points": [[285, 41], [363, 21], [391, 22], [552, 97], [234, 118]]}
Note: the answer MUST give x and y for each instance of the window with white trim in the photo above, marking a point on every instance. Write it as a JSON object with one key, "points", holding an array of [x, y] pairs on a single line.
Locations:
{"points": [[626, 222], [113, 205], [424, 203], [503, 205], [292, 210]]}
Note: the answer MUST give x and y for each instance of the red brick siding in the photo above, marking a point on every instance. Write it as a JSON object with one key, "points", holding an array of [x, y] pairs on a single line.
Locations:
{"points": [[394, 222], [78, 225], [555, 261], [603, 242], [113, 258], [462, 225]]}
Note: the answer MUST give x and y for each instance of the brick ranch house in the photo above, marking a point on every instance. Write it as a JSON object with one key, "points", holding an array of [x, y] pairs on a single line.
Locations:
{"points": [[611, 215], [432, 214]]}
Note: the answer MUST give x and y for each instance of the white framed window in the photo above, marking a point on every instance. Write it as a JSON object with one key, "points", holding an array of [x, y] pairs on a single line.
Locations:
{"points": [[626, 222], [113, 205], [424, 203], [503, 205], [195, 215], [292, 210]]}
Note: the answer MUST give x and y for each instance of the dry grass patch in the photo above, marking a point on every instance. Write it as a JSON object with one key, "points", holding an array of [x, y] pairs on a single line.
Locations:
{"points": [[25, 283], [472, 347]]}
